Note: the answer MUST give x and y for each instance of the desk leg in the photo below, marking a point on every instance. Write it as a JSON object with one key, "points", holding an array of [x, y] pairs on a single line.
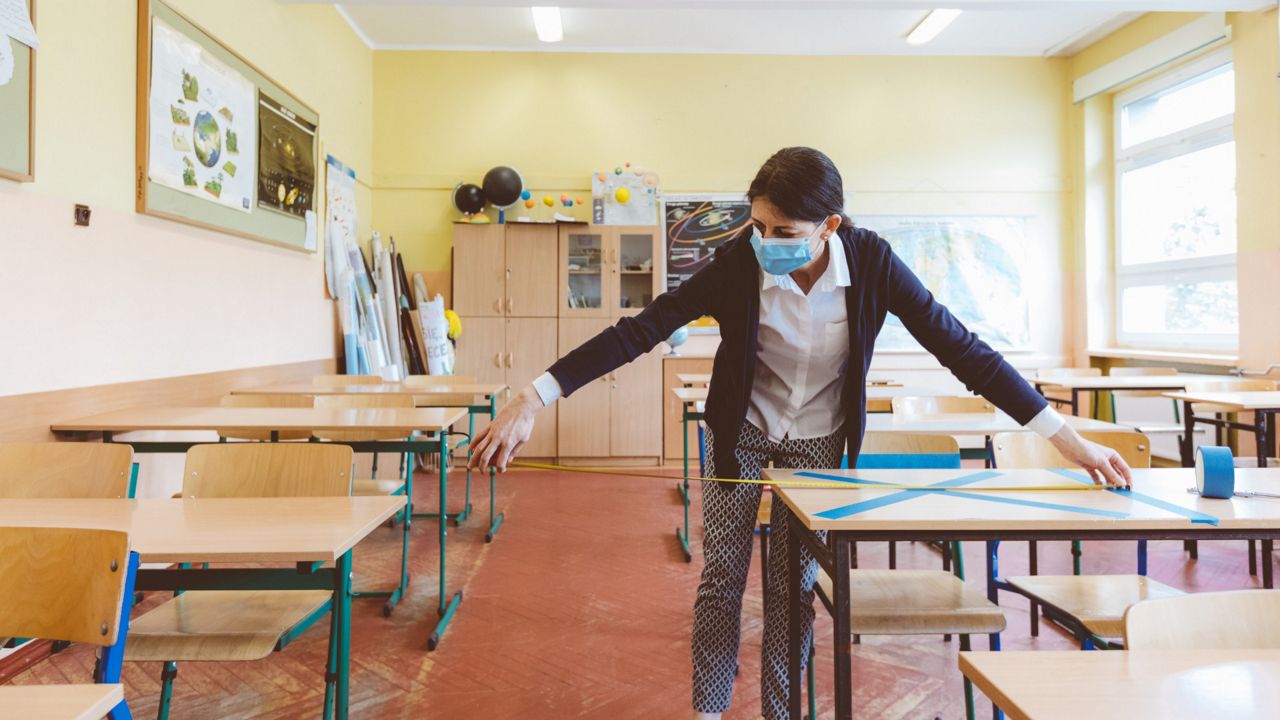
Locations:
{"points": [[449, 606], [461, 517], [1260, 437], [683, 537], [795, 643], [1268, 580], [342, 604], [840, 622], [1188, 434], [404, 549], [993, 594], [494, 522], [1075, 401]]}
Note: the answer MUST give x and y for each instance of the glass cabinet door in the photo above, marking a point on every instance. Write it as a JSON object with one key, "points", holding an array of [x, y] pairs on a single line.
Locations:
{"points": [[637, 269], [582, 272]]}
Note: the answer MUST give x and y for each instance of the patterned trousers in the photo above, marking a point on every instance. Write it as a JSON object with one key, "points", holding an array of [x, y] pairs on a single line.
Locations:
{"points": [[729, 518]]}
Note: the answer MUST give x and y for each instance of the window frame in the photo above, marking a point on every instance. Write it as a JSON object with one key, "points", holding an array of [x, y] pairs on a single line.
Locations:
{"points": [[1209, 268]]}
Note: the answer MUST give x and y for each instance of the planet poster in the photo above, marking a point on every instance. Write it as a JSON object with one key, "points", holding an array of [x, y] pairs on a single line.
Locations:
{"points": [[201, 139], [694, 226], [286, 159]]}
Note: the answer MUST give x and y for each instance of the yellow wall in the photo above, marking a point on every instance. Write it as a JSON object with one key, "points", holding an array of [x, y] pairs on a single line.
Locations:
{"points": [[1257, 133], [911, 135], [133, 297]]}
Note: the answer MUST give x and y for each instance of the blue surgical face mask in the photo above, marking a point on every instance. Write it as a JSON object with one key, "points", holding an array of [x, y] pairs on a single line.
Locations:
{"points": [[782, 256]]}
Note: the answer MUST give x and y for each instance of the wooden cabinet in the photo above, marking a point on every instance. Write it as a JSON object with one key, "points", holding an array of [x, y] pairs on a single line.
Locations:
{"points": [[608, 271], [584, 416], [532, 348], [672, 365], [532, 253], [479, 270]]}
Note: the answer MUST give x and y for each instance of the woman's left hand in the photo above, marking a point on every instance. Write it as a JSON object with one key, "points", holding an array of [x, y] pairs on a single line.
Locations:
{"points": [[1103, 464]]}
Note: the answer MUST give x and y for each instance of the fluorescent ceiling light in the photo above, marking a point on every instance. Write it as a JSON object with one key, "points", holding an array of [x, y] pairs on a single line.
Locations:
{"points": [[933, 23], [546, 20]]}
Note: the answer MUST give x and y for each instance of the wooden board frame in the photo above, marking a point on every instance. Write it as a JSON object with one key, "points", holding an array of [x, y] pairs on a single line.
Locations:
{"points": [[17, 173], [288, 232]]}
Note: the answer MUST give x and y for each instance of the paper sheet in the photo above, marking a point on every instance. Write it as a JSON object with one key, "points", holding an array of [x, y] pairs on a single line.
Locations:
{"points": [[16, 23], [6, 60], [310, 242]]}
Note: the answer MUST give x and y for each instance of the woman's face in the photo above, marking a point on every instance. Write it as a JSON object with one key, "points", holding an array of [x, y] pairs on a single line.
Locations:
{"points": [[772, 223]]}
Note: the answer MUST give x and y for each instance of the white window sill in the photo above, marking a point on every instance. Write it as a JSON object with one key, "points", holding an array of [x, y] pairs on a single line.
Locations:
{"points": [[1195, 358]]}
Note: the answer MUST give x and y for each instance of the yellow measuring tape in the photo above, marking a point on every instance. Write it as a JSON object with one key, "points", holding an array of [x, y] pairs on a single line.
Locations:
{"points": [[1075, 487]]}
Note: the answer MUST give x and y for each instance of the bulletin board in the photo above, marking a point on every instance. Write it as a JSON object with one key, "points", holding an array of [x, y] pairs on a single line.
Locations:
{"points": [[17, 120], [199, 149]]}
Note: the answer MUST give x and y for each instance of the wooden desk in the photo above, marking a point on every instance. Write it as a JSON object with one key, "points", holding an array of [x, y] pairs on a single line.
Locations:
{"points": [[971, 424], [1129, 685], [239, 531], [691, 379], [1120, 383], [433, 422], [1263, 404], [63, 702], [1159, 508], [442, 394]]}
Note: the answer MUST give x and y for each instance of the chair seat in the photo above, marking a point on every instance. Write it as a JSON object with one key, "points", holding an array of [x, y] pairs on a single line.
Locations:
{"points": [[379, 486], [1097, 601], [916, 602], [766, 507], [220, 625]]}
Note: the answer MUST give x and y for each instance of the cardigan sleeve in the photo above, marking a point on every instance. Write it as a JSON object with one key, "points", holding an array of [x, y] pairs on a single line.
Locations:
{"points": [[982, 370], [634, 336]]}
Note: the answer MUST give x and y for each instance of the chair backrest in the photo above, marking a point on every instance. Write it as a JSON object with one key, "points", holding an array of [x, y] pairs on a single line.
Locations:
{"points": [[441, 400], [940, 404], [266, 400], [1051, 373], [1142, 372], [428, 380], [1027, 450], [370, 400], [252, 470], [897, 451], [329, 381], [64, 470], [1235, 620], [62, 583]]}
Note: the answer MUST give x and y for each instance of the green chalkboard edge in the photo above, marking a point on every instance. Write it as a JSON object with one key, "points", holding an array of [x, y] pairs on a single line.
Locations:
{"points": [[30, 174], [142, 136]]}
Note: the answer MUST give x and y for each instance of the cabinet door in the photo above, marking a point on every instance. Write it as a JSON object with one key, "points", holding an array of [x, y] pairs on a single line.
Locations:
{"points": [[531, 349], [532, 261], [479, 270], [636, 261], [583, 284], [583, 418], [481, 353], [635, 423]]}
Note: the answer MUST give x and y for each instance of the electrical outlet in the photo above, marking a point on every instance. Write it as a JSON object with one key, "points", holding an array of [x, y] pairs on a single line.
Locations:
{"points": [[82, 215]]}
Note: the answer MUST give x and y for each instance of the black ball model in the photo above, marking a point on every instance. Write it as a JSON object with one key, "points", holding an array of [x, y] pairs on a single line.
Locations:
{"points": [[468, 198], [502, 186]]}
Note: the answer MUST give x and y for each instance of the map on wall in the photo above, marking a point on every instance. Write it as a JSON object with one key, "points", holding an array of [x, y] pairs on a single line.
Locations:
{"points": [[974, 265]]}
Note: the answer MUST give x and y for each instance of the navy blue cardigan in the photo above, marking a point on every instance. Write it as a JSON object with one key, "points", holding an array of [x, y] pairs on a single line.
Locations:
{"points": [[728, 289]]}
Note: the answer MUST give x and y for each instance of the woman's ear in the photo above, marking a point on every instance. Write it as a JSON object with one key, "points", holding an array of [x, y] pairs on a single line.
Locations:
{"points": [[831, 225]]}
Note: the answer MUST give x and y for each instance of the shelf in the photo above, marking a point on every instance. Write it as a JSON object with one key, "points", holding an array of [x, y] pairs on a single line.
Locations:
{"points": [[636, 272], [584, 272]]}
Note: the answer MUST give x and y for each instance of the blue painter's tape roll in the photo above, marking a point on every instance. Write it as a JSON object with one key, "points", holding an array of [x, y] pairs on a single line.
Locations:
{"points": [[1215, 472]]}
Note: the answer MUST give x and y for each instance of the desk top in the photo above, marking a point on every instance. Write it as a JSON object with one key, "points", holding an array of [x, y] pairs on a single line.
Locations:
{"points": [[693, 378], [1083, 510], [1129, 685], [1254, 400], [64, 702], [173, 530], [874, 392], [230, 419], [426, 392], [1128, 382], [972, 424]]}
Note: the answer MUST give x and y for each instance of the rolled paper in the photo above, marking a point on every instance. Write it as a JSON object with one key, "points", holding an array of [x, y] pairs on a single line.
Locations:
{"points": [[1215, 472]]}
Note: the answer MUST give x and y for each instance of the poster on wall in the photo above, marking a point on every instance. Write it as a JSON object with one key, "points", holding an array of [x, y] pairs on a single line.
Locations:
{"points": [[625, 195], [975, 265], [201, 122], [340, 216], [286, 159], [693, 227]]}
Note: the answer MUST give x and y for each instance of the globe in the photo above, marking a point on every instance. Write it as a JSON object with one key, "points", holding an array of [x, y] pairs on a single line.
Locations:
{"points": [[678, 338], [208, 139]]}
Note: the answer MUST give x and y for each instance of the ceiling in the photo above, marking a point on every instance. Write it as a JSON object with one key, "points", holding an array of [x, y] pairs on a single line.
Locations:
{"points": [[794, 27]]}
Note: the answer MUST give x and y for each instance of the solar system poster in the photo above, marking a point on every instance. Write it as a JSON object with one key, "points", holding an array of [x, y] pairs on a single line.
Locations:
{"points": [[286, 159], [694, 226]]}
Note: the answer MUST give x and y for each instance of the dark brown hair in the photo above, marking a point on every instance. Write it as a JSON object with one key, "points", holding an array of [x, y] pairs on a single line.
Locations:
{"points": [[803, 183]]}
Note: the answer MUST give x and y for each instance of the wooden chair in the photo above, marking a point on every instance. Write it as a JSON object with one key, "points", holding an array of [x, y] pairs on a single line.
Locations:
{"points": [[1234, 620], [437, 400], [266, 400], [1061, 398], [234, 625], [69, 584], [328, 381], [1091, 606], [941, 404], [65, 470]]}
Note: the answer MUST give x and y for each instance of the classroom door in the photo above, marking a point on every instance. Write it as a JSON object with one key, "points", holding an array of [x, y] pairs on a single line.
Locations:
{"points": [[583, 418], [479, 270], [635, 422], [531, 349], [532, 262]]}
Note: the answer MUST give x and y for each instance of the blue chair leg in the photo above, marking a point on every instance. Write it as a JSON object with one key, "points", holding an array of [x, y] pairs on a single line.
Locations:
{"points": [[702, 451], [111, 659]]}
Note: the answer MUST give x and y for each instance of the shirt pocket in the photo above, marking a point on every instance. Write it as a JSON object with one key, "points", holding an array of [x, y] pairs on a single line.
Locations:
{"points": [[835, 338]]}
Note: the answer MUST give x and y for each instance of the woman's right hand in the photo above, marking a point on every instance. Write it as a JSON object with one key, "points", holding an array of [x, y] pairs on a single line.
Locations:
{"points": [[498, 444]]}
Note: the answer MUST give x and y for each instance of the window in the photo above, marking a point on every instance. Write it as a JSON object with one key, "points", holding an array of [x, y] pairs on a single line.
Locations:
{"points": [[1176, 210]]}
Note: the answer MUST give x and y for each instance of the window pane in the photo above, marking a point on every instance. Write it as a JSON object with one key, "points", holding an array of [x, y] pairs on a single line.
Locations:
{"points": [[1184, 207], [1197, 100], [1180, 309]]}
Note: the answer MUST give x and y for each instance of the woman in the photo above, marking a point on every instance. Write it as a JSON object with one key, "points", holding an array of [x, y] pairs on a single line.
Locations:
{"points": [[799, 297]]}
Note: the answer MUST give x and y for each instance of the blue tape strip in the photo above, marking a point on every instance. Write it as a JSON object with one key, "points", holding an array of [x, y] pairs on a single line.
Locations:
{"points": [[841, 478], [893, 498], [1039, 504], [1194, 516]]}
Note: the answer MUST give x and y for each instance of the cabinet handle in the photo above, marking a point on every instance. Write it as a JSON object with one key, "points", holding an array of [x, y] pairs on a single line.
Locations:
{"points": [[510, 307], [509, 356], [497, 305], [497, 360]]}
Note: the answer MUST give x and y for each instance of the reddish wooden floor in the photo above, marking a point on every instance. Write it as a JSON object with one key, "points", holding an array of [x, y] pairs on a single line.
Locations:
{"points": [[581, 608]]}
